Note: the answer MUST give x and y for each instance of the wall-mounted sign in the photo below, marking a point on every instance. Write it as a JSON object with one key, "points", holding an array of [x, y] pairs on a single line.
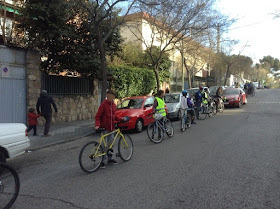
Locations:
{"points": [[5, 72]]}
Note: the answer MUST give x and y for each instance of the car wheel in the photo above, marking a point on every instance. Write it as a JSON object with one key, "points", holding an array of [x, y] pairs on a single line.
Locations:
{"points": [[139, 125], [2, 157]]}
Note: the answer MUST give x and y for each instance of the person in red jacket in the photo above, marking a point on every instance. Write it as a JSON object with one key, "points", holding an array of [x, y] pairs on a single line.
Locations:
{"points": [[32, 121], [106, 118]]}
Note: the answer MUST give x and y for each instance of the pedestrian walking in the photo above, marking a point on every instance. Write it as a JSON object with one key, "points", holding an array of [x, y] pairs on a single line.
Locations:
{"points": [[44, 103], [32, 121]]}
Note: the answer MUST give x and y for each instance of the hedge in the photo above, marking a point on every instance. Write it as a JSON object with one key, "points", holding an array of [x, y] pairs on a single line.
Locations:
{"points": [[132, 81]]}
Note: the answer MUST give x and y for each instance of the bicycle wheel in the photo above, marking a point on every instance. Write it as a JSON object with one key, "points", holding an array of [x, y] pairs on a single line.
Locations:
{"points": [[183, 123], [203, 113], [169, 128], [155, 133], [9, 186], [214, 109], [90, 158], [222, 107], [210, 111], [125, 147], [253, 93]]}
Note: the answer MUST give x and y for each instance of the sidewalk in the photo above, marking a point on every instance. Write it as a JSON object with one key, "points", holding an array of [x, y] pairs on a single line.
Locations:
{"points": [[60, 133]]}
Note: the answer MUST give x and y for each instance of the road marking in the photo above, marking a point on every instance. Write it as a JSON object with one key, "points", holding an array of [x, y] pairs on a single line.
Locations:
{"points": [[263, 102]]}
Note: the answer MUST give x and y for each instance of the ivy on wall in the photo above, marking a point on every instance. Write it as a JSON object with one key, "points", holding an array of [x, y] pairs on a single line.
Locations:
{"points": [[131, 81]]}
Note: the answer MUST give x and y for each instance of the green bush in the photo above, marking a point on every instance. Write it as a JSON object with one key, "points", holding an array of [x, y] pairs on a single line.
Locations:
{"points": [[132, 81]]}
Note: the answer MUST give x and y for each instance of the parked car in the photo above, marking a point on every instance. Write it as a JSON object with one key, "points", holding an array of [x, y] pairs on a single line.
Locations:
{"points": [[213, 90], [138, 110], [192, 92], [234, 97], [172, 102], [13, 140]]}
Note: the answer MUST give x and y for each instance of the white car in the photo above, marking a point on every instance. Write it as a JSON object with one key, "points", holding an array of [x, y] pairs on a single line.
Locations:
{"points": [[13, 140]]}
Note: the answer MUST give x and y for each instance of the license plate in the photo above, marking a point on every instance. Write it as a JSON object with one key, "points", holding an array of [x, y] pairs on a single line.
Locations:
{"points": [[226, 103]]}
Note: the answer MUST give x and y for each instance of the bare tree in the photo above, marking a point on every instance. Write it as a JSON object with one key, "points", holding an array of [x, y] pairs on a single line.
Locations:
{"points": [[106, 11], [169, 23], [3, 19]]}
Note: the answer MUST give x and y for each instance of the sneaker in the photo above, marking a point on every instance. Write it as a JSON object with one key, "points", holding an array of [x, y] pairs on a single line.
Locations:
{"points": [[193, 122], [46, 135], [112, 162], [103, 165], [188, 125]]}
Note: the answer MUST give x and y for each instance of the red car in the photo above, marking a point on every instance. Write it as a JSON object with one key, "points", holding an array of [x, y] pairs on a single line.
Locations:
{"points": [[138, 110], [234, 97]]}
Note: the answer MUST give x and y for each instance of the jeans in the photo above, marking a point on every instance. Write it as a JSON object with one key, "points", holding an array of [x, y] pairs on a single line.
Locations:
{"points": [[48, 118], [108, 140], [34, 127]]}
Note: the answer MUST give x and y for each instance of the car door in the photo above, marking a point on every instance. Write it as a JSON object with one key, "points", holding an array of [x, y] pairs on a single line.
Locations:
{"points": [[243, 96], [148, 106]]}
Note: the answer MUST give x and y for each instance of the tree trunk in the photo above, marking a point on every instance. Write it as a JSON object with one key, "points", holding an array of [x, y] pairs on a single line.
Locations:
{"points": [[227, 74], [157, 77], [188, 74], [103, 64]]}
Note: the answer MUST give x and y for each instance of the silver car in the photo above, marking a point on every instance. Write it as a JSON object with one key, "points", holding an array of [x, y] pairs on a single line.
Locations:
{"points": [[172, 102]]}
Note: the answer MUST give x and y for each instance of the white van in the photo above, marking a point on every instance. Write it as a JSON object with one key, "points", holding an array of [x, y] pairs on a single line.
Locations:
{"points": [[13, 140]]}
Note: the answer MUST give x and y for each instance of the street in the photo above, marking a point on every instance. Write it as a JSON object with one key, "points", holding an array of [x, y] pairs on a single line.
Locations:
{"points": [[228, 161]]}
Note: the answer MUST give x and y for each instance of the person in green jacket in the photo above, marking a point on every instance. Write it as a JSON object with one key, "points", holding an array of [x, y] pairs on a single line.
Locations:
{"points": [[159, 104]]}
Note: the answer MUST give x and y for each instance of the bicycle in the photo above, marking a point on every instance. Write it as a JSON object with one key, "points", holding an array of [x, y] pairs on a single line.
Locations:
{"points": [[9, 186], [220, 104], [93, 153], [185, 120], [158, 128]]}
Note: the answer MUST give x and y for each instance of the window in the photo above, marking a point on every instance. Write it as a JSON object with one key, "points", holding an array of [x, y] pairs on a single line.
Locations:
{"points": [[149, 102], [131, 104]]}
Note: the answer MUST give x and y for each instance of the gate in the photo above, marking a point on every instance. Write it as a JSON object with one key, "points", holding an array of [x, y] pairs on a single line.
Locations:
{"points": [[12, 86]]}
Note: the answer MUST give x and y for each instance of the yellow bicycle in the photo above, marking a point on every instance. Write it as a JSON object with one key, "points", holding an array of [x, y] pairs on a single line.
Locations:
{"points": [[92, 154]]}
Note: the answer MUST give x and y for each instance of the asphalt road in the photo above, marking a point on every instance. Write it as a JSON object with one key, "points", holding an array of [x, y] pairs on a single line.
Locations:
{"points": [[228, 161]]}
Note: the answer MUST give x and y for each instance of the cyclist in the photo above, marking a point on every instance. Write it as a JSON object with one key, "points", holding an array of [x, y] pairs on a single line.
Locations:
{"points": [[159, 104], [205, 96], [219, 96], [187, 105], [198, 100], [105, 118]]}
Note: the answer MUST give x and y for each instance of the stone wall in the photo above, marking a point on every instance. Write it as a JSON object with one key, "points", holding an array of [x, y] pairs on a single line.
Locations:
{"points": [[70, 107]]}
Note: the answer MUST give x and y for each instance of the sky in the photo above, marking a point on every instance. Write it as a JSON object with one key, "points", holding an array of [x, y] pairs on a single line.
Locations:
{"points": [[256, 29]]}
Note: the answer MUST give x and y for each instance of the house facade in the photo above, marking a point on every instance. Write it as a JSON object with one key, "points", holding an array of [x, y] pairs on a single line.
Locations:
{"points": [[140, 30]]}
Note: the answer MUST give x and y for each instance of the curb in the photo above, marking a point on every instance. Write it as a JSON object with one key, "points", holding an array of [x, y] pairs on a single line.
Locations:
{"points": [[57, 143]]}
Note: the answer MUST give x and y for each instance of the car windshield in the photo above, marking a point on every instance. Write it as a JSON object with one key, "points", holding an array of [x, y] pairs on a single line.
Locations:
{"points": [[172, 98], [213, 89], [131, 104], [231, 91]]}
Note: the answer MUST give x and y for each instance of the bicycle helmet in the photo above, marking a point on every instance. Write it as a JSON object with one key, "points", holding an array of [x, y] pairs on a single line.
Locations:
{"points": [[184, 92]]}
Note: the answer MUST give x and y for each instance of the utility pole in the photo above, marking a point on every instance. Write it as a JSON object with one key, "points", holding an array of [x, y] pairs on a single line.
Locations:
{"points": [[183, 80], [218, 52]]}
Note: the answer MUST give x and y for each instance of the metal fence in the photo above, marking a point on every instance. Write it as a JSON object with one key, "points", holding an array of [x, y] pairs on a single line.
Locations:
{"points": [[66, 85]]}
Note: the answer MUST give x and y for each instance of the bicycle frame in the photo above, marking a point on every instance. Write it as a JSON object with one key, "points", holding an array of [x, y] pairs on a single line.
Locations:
{"points": [[160, 124], [103, 141]]}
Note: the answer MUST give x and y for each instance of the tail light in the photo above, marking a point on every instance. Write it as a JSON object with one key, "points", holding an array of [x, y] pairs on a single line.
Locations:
{"points": [[26, 132]]}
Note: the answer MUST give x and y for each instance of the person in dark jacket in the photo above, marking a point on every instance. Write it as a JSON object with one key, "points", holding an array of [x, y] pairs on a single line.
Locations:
{"points": [[45, 103], [106, 118], [198, 100]]}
